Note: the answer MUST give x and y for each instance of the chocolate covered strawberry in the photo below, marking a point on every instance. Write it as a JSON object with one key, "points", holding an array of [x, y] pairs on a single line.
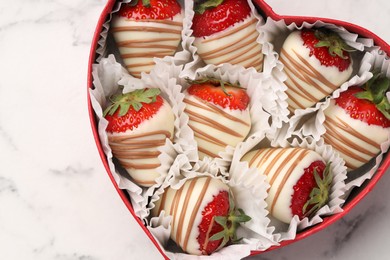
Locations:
{"points": [[316, 62], [204, 216], [145, 29], [358, 121], [225, 32], [218, 114], [299, 180], [139, 123]]}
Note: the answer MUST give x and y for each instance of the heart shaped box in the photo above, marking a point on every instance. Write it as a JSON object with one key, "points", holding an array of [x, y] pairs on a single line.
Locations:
{"points": [[266, 11]]}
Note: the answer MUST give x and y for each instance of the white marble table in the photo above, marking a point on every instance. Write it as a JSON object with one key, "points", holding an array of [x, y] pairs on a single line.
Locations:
{"points": [[56, 200]]}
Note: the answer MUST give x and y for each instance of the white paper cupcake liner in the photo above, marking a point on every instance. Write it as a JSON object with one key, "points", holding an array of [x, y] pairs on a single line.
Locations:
{"points": [[245, 192], [196, 63], [261, 97], [309, 122], [312, 123], [108, 75], [375, 60], [281, 231], [272, 37], [258, 233], [106, 44]]}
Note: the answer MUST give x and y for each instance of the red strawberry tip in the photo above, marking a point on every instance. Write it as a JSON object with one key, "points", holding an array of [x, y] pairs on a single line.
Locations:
{"points": [[134, 99], [335, 44], [230, 223], [375, 92], [319, 196], [204, 5]]}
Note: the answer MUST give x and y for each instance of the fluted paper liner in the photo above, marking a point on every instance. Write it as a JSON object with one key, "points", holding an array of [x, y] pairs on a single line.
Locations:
{"points": [[281, 231], [313, 122], [106, 44], [273, 34], [196, 62], [108, 75], [246, 194], [374, 60], [262, 100], [306, 122]]}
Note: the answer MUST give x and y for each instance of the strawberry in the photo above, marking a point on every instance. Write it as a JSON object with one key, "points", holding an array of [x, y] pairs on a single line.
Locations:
{"points": [[204, 216], [138, 124], [150, 9], [147, 29], [299, 180], [317, 61], [220, 93], [358, 121], [218, 114], [225, 32]]}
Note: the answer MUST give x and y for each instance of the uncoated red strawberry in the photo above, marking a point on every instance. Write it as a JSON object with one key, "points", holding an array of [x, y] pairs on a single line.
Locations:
{"points": [[204, 217], [218, 114], [358, 121], [316, 62], [144, 30], [225, 32], [299, 180], [139, 123]]}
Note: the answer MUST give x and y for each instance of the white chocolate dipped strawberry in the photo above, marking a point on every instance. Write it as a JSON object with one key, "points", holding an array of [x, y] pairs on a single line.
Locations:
{"points": [[204, 217], [316, 62], [218, 114], [145, 29], [358, 121], [225, 32], [299, 180], [139, 123]]}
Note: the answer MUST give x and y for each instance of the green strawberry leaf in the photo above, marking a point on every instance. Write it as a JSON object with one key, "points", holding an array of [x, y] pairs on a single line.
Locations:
{"points": [[146, 3], [335, 44], [216, 82], [201, 7], [230, 224], [375, 92], [319, 196], [134, 99]]}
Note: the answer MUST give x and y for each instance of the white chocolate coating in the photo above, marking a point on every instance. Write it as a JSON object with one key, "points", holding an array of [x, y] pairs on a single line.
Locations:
{"points": [[215, 127], [140, 41], [356, 141], [307, 80], [185, 206], [137, 149], [283, 168], [235, 45]]}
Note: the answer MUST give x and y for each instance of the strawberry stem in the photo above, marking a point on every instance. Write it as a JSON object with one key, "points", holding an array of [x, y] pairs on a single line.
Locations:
{"points": [[146, 3], [216, 82], [375, 92], [230, 223], [319, 196], [134, 99], [202, 6], [335, 44]]}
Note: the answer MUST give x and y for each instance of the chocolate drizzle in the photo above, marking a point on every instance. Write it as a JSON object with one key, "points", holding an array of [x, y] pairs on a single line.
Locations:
{"points": [[184, 208], [336, 135], [129, 149], [160, 38], [278, 166], [200, 118], [301, 75], [247, 51]]}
